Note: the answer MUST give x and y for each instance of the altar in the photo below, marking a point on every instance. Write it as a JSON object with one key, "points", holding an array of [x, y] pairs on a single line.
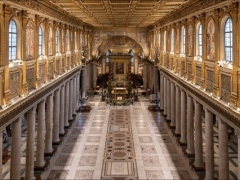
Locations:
{"points": [[119, 93]]}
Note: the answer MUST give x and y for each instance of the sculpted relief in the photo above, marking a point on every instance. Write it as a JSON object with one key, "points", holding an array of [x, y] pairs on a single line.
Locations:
{"points": [[190, 40], [50, 42], [29, 41]]}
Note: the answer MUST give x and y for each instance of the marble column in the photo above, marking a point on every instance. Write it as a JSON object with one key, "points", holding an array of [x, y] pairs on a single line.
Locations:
{"points": [[209, 155], [168, 100], [223, 150], [178, 111], [70, 100], [1, 148], [29, 174], [40, 134], [66, 105], [165, 96], [190, 126], [62, 109], [77, 91], [56, 117], [74, 96], [161, 92], [238, 136], [49, 121], [173, 101], [198, 136], [183, 117], [15, 164], [83, 83]]}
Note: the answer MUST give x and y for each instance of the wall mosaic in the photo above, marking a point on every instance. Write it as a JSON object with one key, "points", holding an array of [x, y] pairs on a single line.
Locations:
{"points": [[198, 75], [225, 87], [210, 80], [42, 73], [14, 84], [30, 78], [50, 70], [29, 41], [210, 40], [182, 68], [189, 69], [50, 42], [190, 40], [139, 36]]}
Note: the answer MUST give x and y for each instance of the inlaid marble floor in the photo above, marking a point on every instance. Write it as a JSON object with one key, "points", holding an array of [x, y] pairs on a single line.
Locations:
{"points": [[90, 149]]}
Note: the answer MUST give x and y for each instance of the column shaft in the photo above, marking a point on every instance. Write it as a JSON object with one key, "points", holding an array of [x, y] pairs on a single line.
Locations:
{"points": [[209, 144], [15, 170], [29, 174], [62, 109], [56, 117], [40, 135], [183, 117], [66, 104], [74, 96], [168, 100], [165, 96], [1, 147], [173, 101], [178, 111], [161, 92], [70, 99], [190, 127], [198, 135], [49, 121], [223, 150]]}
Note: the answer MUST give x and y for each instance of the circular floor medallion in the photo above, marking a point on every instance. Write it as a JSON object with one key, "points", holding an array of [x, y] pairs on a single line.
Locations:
{"points": [[119, 135]]}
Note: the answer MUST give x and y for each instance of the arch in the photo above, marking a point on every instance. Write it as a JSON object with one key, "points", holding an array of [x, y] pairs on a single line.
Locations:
{"points": [[183, 40], [199, 35], [56, 41]]}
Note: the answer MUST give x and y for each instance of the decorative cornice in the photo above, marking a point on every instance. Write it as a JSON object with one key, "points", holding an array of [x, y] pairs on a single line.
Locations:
{"points": [[212, 104], [49, 9], [18, 109]]}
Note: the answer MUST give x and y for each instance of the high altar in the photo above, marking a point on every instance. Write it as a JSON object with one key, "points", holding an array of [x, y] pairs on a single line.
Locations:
{"points": [[119, 82]]}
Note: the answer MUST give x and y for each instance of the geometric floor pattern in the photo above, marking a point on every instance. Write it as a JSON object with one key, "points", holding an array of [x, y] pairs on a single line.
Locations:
{"points": [[119, 142]]}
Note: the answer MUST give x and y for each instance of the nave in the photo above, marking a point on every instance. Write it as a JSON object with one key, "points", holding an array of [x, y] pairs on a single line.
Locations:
{"points": [[150, 147]]}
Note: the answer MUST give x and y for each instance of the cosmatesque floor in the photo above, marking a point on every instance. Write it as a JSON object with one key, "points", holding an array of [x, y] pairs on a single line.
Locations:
{"points": [[119, 142]]}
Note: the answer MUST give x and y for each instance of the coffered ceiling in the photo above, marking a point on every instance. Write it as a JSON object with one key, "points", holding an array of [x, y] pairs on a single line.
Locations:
{"points": [[119, 13]]}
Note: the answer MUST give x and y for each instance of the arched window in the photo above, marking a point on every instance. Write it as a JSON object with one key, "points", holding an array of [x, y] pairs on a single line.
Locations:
{"points": [[164, 41], [200, 40], [228, 40], [40, 41], [56, 41], [183, 40], [12, 47], [107, 54], [67, 40], [172, 39], [132, 53]]}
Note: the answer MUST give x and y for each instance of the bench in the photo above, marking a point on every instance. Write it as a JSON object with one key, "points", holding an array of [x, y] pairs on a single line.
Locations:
{"points": [[84, 108], [153, 108]]}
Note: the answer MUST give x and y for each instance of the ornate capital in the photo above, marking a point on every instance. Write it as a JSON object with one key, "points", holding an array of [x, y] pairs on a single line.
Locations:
{"points": [[38, 19], [24, 15], [55, 24], [7, 10], [216, 13]]}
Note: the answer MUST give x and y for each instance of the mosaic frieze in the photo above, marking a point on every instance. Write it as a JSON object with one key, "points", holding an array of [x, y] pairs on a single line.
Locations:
{"points": [[182, 68], [14, 84], [189, 71], [30, 78], [50, 69], [57, 67], [42, 73], [225, 87], [210, 80], [198, 75]]}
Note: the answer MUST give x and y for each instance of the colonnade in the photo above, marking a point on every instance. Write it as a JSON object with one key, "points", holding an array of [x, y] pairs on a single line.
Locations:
{"points": [[185, 114], [54, 112]]}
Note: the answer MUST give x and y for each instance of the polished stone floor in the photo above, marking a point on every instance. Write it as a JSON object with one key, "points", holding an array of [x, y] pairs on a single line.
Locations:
{"points": [[119, 142]]}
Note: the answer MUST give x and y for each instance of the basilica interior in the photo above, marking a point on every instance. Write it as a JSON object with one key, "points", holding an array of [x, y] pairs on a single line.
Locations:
{"points": [[119, 89]]}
